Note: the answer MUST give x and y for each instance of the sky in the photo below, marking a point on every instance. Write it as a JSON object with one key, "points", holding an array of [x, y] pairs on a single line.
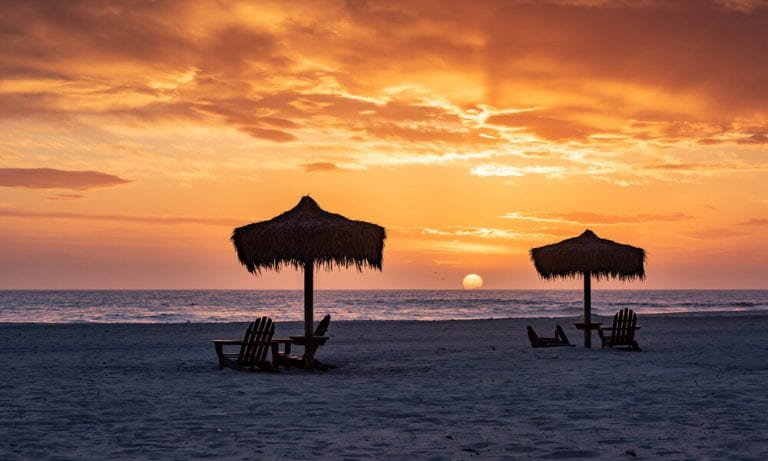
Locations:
{"points": [[135, 135]]}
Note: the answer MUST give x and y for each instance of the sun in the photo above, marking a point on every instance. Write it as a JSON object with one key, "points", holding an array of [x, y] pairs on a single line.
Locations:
{"points": [[472, 282]]}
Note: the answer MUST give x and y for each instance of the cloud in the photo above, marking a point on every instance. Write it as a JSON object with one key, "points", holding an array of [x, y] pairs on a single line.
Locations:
{"points": [[403, 79], [706, 167], [713, 233], [463, 235], [744, 6], [320, 166], [136, 32], [239, 111], [233, 49], [755, 222], [505, 170], [65, 197], [533, 43], [154, 220], [459, 247], [664, 47], [583, 218], [710, 142], [4, 155], [49, 178], [480, 232], [542, 125], [757, 138], [684, 166], [671, 127], [267, 133], [426, 133]]}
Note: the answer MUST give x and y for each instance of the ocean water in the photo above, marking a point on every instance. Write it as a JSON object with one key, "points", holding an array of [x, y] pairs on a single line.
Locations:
{"points": [[203, 306]]}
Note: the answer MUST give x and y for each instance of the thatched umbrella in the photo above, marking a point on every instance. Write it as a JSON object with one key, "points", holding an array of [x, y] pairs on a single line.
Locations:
{"points": [[304, 237], [589, 256]]}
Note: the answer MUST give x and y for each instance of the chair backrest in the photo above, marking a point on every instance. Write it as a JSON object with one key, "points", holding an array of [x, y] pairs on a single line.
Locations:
{"points": [[533, 337], [322, 327], [257, 342], [560, 334], [624, 323]]}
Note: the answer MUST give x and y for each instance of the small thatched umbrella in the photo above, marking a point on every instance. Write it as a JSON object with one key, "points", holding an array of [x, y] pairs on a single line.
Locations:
{"points": [[589, 256], [303, 237]]}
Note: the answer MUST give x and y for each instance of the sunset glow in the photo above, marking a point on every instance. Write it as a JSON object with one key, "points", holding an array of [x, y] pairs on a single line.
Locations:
{"points": [[134, 138]]}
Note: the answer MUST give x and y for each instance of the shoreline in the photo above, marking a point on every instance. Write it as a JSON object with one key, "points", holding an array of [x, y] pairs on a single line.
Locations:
{"points": [[564, 319], [227, 306]]}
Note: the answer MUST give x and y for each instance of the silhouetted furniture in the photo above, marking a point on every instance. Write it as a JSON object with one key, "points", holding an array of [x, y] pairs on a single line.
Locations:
{"points": [[622, 332], [588, 327], [559, 340], [287, 359], [254, 347]]}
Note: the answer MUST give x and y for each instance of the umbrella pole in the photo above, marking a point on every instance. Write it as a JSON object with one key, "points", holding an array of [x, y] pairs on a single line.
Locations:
{"points": [[587, 309], [309, 289]]}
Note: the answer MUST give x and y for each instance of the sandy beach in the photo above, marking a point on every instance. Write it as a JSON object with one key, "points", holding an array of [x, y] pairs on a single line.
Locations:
{"points": [[402, 390]]}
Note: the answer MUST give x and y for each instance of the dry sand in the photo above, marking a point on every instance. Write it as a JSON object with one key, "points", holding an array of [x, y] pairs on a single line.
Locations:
{"points": [[403, 390]]}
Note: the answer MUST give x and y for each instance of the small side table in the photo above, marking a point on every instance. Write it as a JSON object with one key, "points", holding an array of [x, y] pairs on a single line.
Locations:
{"points": [[588, 327]]}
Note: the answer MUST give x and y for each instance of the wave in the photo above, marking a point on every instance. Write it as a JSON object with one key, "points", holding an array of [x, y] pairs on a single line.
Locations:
{"points": [[198, 306]]}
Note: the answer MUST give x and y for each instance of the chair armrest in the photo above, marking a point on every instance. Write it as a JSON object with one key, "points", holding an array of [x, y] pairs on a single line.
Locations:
{"points": [[220, 343], [228, 342], [610, 329]]}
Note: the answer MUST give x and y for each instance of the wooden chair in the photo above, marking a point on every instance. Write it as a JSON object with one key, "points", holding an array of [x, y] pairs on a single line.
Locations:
{"points": [[622, 332], [254, 347], [559, 340], [288, 360]]}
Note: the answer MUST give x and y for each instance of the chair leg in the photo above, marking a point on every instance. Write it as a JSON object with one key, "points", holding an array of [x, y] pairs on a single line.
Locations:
{"points": [[220, 355], [275, 354]]}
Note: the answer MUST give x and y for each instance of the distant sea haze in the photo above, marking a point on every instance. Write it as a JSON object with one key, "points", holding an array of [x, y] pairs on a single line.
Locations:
{"points": [[216, 306]]}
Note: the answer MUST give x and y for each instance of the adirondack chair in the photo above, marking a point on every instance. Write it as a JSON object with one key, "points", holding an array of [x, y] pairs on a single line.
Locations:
{"points": [[254, 347], [287, 359], [622, 333], [559, 340]]}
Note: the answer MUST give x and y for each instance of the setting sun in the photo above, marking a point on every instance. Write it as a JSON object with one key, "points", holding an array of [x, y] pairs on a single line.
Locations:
{"points": [[472, 282]]}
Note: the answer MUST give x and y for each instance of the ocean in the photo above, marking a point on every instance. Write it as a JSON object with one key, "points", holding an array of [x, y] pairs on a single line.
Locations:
{"points": [[214, 306]]}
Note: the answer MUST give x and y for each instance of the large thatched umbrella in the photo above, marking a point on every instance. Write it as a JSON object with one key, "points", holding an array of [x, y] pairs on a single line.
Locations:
{"points": [[589, 256], [304, 237]]}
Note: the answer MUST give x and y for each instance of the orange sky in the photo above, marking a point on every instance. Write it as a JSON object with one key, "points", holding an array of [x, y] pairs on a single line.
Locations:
{"points": [[135, 136]]}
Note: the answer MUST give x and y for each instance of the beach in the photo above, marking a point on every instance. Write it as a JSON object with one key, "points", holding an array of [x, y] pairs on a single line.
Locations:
{"points": [[470, 389]]}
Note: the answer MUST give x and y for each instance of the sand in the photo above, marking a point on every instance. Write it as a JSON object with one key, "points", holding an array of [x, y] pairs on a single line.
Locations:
{"points": [[403, 390]]}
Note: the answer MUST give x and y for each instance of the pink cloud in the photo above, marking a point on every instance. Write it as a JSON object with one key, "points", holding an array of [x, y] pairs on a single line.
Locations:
{"points": [[50, 178]]}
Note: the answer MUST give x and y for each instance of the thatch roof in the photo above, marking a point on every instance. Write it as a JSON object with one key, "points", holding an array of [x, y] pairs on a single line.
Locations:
{"points": [[589, 253], [306, 233]]}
